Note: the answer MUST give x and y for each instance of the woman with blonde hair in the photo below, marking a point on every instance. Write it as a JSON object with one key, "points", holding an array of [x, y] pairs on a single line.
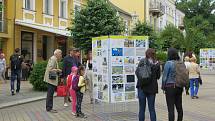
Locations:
{"points": [[194, 73]]}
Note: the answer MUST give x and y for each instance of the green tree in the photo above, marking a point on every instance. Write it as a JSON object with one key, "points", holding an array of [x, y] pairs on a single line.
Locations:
{"points": [[98, 18], [199, 23], [142, 29], [171, 37]]}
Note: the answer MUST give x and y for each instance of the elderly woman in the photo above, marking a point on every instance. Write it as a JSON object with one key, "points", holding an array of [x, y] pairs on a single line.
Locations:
{"points": [[194, 73], [51, 78]]}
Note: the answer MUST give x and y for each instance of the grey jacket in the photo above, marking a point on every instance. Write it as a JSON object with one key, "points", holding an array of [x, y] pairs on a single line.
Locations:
{"points": [[52, 64]]}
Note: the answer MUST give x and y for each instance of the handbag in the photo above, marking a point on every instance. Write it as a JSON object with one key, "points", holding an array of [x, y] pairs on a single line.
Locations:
{"points": [[52, 75], [200, 80], [61, 90]]}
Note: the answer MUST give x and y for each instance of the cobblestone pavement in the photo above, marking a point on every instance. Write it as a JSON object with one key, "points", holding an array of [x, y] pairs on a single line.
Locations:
{"points": [[26, 92], [202, 109]]}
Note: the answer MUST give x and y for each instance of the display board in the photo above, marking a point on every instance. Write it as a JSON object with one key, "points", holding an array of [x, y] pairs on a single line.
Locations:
{"points": [[207, 58], [115, 59]]}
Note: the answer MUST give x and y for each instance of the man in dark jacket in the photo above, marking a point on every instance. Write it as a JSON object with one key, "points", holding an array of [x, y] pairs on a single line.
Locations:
{"points": [[71, 60], [16, 61]]}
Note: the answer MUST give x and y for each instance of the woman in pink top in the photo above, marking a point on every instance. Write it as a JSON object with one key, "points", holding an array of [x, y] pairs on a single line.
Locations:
{"points": [[71, 91]]}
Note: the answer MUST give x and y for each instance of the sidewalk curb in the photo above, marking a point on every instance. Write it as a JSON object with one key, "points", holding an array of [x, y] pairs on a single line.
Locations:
{"points": [[24, 101]]}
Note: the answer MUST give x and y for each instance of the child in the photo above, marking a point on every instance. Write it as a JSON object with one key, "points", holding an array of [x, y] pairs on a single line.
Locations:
{"points": [[71, 91], [79, 93]]}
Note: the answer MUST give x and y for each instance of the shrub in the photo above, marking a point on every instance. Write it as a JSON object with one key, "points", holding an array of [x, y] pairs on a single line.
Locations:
{"points": [[161, 56], [37, 75]]}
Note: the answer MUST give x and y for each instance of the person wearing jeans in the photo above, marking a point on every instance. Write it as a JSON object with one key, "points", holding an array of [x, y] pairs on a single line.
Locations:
{"points": [[194, 73], [15, 75], [15, 61], [142, 105], [172, 92], [148, 91]]}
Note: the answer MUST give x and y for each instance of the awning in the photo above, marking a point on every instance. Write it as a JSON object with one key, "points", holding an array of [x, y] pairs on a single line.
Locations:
{"points": [[44, 28]]}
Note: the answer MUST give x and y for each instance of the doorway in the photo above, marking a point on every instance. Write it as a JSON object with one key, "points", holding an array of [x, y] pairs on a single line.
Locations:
{"points": [[48, 47], [27, 45]]}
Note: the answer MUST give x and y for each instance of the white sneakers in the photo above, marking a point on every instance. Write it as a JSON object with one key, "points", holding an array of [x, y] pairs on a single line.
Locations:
{"points": [[65, 105]]}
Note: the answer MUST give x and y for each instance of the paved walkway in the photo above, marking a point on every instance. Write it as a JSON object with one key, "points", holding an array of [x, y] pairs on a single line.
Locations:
{"points": [[26, 94], [202, 109]]}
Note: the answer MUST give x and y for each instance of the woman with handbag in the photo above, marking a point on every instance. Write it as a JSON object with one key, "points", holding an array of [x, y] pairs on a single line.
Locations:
{"points": [[194, 74], [51, 77]]}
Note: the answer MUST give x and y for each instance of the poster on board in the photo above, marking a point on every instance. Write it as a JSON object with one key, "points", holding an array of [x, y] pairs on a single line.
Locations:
{"points": [[115, 59], [207, 58]]}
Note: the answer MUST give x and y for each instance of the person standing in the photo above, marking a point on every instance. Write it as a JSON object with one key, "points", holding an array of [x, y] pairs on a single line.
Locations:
{"points": [[187, 64], [172, 92], [80, 93], [15, 63], [194, 73], [88, 75], [148, 91], [51, 77], [73, 75], [68, 62], [2, 67]]}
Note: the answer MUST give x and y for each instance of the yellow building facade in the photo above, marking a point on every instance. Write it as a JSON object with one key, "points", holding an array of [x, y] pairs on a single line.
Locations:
{"points": [[134, 7], [37, 27]]}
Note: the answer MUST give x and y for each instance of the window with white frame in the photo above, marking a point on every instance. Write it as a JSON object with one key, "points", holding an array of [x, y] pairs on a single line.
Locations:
{"points": [[48, 6], [29, 4], [1, 9], [63, 8], [1, 15]]}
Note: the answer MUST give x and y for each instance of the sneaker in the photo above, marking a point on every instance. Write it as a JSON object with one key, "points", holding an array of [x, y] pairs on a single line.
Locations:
{"points": [[12, 93], [52, 111], [65, 105], [74, 114], [196, 97], [193, 97]]}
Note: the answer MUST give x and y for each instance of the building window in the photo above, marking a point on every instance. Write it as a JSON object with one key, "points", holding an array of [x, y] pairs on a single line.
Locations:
{"points": [[63, 8], [29, 4], [1, 15], [48, 6], [77, 8]]}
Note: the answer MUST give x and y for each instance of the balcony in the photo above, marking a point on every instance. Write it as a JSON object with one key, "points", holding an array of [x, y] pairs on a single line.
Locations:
{"points": [[181, 25], [156, 8], [4, 26]]}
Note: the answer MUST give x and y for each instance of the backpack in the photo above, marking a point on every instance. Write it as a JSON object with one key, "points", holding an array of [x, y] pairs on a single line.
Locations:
{"points": [[75, 81], [181, 74], [15, 62], [144, 72]]}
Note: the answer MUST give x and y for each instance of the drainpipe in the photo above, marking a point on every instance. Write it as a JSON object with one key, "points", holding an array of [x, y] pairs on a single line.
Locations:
{"points": [[14, 24]]}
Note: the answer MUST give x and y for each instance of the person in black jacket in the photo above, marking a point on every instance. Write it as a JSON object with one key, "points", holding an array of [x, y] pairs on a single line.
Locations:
{"points": [[15, 64], [149, 90]]}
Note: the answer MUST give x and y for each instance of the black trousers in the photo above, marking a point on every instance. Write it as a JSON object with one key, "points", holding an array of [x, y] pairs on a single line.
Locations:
{"points": [[49, 98], [174, 99], [79, 96]]}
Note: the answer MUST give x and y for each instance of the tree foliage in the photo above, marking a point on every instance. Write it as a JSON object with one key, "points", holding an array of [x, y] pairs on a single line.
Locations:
{"points": [[142, 29], [171, 37], [199, 23], [98, 18]]}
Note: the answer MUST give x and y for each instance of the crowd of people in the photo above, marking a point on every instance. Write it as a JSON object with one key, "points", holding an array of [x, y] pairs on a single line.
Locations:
{"points": [[76, 77], [176, 75], [78, 80]]}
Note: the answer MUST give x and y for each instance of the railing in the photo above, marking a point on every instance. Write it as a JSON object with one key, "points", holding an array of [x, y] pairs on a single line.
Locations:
{"points": [[4, 26], [157, 7]]}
